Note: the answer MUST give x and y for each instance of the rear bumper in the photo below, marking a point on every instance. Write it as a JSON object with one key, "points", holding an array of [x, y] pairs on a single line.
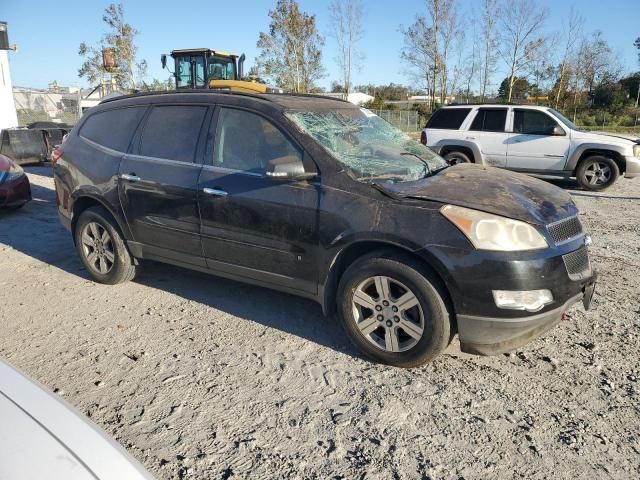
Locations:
{"points": [[15, 193], [632, 167]]}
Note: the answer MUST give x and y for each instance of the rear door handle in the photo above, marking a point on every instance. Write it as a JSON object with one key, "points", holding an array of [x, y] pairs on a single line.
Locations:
{"points": [[215, 191], [130, 177]]}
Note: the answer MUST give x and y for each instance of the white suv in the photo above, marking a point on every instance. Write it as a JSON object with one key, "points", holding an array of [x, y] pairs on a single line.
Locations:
{"points": [[535, 140]]}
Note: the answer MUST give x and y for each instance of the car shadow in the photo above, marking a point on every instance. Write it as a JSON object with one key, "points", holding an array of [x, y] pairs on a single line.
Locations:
{"points": [[36, 231]]}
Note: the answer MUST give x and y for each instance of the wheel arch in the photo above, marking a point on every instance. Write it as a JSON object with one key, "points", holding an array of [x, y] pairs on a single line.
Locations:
{"points": [[356, 250], [470, 149], [589, 151], [83, 201]]}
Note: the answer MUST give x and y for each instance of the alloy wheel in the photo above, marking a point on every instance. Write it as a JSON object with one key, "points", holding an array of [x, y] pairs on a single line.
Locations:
{"points": [[598, 173], [97, 247], [388, 314]]}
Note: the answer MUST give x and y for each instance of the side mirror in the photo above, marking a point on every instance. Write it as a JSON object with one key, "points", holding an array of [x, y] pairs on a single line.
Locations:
{"points": [[287, 168], [163, 60], [558, 131]]}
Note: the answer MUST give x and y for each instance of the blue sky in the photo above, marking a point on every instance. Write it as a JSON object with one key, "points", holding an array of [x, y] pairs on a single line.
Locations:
{"points": [[48, 34]]}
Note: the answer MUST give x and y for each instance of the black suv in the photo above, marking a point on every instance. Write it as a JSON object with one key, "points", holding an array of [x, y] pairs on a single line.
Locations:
{"points": [[319, 198]]}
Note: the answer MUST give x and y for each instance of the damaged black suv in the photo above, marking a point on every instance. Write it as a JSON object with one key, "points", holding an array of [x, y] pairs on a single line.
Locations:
{"points": [[319, 198]]}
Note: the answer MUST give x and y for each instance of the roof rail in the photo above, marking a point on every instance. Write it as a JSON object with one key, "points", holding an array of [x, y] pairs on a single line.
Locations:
{"points": [[207, 91]]}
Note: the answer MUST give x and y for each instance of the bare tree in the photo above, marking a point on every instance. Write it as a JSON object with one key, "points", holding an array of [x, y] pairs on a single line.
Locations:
{"points": [[489, 44], [427, 45], [521, 22], [347, 29], [291, 52], [570, 39], [120, 37]]}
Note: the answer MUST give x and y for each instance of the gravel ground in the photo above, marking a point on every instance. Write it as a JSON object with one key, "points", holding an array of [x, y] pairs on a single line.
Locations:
{"points": [[200, 377]]}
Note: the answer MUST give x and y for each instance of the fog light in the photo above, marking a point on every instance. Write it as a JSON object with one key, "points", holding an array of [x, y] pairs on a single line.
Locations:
{"points": [[529, 300]]}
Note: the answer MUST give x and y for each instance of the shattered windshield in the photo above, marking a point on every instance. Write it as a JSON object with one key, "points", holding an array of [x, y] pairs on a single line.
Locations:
{"points": [[372, 149]]}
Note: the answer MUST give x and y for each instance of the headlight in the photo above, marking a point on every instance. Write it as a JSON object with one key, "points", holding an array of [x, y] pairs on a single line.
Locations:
{"points": [[14, 172], [636, 151], [492, 232]]}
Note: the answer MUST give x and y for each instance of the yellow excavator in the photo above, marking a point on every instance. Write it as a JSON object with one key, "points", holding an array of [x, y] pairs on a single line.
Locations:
{"points": [[213, 69]]}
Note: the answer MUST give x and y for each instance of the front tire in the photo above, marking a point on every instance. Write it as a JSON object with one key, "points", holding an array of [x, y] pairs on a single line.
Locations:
{"points": [[393, 310], [102, 248], [597, 172]]}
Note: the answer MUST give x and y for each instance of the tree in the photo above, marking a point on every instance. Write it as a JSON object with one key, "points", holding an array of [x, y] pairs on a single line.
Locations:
{"points": [[522, 22], [120, 37], [518, 89], [571, 36], [290, 54], [346, 22], [488, 44], [427, 45]]}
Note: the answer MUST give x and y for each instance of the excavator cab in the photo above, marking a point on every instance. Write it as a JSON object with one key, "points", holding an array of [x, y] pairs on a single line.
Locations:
{"points": [[213, 69], [196, 68]]}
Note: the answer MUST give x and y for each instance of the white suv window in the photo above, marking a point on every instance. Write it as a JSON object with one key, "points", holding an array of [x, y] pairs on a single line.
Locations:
{"points": [[532, 122], [489, 120]]}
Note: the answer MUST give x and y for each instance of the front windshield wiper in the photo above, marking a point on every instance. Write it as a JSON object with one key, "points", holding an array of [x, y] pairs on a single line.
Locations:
{"points": [[427, 169]]}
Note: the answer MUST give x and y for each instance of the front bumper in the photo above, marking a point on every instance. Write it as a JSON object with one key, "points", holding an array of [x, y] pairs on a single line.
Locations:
{"points": [[490, 335], [632, 167], [15, 193]]}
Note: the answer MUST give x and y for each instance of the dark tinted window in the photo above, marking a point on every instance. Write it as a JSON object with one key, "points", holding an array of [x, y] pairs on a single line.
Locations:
{"points": [[533, 122], [246, 141], [113, 128], [490, 120], [172, 132], [448, 118]]}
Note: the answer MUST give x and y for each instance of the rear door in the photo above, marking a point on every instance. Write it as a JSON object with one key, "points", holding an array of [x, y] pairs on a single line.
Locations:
{"points": [[159, 182], [254, 226], [533, 146], [488, 130]]}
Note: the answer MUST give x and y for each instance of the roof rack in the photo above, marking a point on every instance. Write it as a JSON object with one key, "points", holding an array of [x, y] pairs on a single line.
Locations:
{"points": [[206, 91]]}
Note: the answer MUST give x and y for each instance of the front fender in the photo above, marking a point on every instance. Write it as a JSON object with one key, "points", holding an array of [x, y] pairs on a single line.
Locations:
{"points": [[572, 163]]}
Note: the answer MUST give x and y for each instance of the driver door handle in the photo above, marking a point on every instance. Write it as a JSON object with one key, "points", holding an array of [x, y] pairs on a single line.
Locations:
{"points": [[215, 191], [130, 177]]}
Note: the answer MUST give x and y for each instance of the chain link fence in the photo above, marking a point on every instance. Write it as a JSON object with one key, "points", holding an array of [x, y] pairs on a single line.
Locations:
{"points": [[38, 106], [405, 120]]}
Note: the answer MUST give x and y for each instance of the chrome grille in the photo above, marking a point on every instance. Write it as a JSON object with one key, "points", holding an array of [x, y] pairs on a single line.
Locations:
{"points": [[565, 230], [577, 264]]}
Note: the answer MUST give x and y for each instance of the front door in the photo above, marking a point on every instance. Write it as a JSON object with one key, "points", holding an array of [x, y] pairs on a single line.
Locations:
{"points": [[253, 226], [159, 183], [533, 145]]}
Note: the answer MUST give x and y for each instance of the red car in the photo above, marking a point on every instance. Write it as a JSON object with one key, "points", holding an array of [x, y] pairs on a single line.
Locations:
{"points": [[15, 189]]}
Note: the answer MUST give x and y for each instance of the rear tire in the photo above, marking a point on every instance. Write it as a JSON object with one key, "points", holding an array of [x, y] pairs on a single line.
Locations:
{"points": [[454, 158], [407, 323], [102, 249], [597, 173]]}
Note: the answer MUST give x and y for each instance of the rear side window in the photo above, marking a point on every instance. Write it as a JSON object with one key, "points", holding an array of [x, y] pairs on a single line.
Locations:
{"points": [[172, 132], [490, 120], [532, 122], [448, 118], [113, 128]]}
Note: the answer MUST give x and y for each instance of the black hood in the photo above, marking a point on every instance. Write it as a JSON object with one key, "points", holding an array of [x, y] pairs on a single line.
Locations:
{"points": [[492, 190]]}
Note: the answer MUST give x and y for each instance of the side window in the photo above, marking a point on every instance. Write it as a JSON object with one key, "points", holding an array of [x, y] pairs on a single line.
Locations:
{"points": [[246, 141], [532, 122], [490, 120], [172, 132], [448, 118], [113, 128]]}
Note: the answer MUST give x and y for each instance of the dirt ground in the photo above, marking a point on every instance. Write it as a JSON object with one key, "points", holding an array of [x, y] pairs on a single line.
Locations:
{"points": [[200, 377]]}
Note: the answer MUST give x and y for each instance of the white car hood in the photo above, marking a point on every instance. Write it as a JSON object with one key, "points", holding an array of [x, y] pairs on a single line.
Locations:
{"points": [[43, 437], [615, 138]]}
